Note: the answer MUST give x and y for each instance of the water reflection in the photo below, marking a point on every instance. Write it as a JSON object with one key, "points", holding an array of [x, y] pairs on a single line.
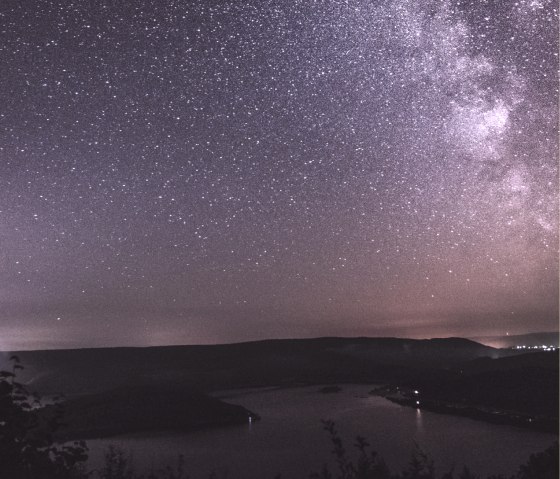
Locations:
{"points": [[250, 425], [290, 440], [419, 421]]}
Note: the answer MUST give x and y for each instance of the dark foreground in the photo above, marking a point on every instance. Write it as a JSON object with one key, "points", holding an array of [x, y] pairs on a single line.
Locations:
{"points": [[27, 451], [124, 390]]}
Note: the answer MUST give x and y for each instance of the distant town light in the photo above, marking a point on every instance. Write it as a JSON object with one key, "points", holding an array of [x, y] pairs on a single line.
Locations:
{"points": [[416, 391], [543, 347]]}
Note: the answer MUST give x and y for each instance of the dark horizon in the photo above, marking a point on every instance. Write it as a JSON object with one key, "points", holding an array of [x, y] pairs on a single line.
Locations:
{"points": [[175, 172], [491, 341]]}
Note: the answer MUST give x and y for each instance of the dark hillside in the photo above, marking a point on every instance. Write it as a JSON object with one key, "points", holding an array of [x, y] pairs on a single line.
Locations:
{"points": [[143, 408], [272, 362]]}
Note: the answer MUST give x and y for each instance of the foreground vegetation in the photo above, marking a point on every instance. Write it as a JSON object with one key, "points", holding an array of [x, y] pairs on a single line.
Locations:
{"points": [[29, 450]]}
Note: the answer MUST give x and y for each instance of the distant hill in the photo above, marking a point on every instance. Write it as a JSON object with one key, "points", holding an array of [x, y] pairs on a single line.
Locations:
{"points": [[261, 363], [529, 340], [537, 359], [527, 383]]}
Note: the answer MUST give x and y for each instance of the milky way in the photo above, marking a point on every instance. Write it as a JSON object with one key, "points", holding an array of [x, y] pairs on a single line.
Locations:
{"points": [[175, 172]]}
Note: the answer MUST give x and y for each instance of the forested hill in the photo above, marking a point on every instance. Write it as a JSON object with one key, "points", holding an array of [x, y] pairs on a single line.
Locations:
{"points": [[270, 362]]}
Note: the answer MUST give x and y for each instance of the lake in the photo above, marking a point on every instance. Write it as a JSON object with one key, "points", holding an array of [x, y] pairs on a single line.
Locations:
{"points": [[290, 440]]}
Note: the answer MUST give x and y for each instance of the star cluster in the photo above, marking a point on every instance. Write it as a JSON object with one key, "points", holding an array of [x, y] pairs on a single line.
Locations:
{"points": [[200, 172]]}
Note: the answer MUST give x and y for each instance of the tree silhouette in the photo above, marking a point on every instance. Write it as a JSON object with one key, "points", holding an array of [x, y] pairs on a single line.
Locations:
{"points": [[28, 449], [543, 465]]}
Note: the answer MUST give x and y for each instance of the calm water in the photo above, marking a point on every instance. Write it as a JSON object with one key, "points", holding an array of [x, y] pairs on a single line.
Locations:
{"points": [[290, 440]]}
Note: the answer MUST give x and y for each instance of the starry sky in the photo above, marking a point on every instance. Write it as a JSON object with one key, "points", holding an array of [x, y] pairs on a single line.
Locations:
{"points": [[177, 172]]}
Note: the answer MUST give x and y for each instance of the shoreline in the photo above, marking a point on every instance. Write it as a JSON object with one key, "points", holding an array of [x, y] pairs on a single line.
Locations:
{"points": [[409, 398]]}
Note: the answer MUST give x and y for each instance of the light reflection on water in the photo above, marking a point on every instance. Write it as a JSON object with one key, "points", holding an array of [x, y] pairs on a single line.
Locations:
{"points": [[419, 422], [289, 439]]}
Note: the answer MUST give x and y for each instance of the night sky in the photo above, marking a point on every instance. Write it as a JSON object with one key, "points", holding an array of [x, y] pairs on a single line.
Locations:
{"points": [[219, 171]]}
